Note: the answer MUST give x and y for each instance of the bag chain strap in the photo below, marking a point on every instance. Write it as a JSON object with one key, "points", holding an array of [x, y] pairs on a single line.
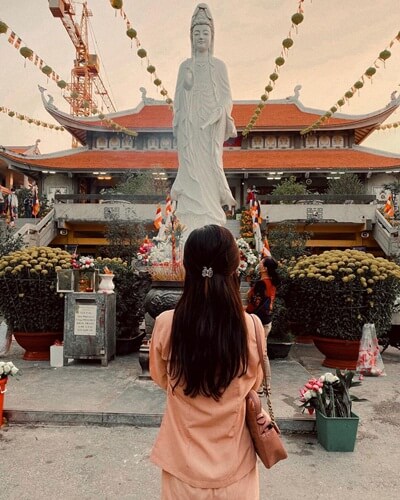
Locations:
{"points": [[263, 362]]}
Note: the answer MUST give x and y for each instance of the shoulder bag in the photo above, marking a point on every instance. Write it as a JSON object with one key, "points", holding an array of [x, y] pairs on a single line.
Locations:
{"points": [[262, 426]]}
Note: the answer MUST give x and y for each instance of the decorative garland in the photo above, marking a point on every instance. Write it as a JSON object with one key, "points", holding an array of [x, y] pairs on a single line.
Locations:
{"points": [[112, 124], [141, 52], [27, 53], [39, 123], [279, 62], [389, 125], [359, 84]]}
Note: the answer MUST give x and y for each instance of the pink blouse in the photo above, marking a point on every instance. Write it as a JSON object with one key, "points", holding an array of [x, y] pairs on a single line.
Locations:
{"points": [[204, 442]]}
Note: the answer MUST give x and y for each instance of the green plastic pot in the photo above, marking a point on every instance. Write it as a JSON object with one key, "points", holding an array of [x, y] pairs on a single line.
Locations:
{"points": [[337, 433]]}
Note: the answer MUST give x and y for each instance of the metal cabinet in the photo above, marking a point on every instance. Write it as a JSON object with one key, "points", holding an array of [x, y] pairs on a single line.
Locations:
{"points": [[89, 326]]}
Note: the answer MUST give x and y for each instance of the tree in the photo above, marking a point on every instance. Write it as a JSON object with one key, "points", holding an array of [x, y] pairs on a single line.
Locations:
{"points": [[289, 186], [286, 242], [8, 242], [346, 184], [152, 182], [124, 239]]}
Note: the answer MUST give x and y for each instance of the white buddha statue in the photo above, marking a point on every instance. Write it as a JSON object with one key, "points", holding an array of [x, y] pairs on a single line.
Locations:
{"points": [[202, 122]]}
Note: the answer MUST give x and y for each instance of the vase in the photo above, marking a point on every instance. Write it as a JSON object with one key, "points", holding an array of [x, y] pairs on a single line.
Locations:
{"points": [[106, 284], [342, 354], [3, 382], [337, 433], [37, 344]]}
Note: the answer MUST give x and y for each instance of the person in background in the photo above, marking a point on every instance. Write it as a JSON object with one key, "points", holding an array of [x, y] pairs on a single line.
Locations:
{"points": [[204, 354], [2, 203], [12, 207], [28, 202]]}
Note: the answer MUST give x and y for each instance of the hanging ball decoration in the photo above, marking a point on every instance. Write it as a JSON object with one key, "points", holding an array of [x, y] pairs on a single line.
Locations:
{"points": [[333, 109], [348, 94], [370, 71], [94, 111], [85, 104], [47, 70], [74, 95], [62, 84], [116, 4], [30, 120], [21, 117], [328, 114], [358, 85], [340, 102], [264, 97], [151, 69], [101, 116], [279, 61], [384, 55], [141, 53], [163, 92], [287, 43], [395, 125], [168, 101], [273, 76], [11, 113], [131, 33], [297, 18], [157, 82], [269, 88], [257, 111], [26, 52], [3, 27], [260, 105]]}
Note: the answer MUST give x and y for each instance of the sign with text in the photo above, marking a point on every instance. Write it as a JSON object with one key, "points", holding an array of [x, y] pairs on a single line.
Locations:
{"points": [[85, 319]]}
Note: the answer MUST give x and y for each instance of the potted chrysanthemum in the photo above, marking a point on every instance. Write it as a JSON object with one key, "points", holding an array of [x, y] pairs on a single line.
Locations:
{"points": [[336, 293], [29, 300]]}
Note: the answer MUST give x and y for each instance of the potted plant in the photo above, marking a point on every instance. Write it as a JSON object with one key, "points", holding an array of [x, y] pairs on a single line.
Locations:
{"points": [[329, 396], [29, 300], [280, 339], [131, 287], [336, 293]]}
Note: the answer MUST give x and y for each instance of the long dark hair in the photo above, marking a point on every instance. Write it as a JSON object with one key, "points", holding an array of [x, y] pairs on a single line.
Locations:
{"points": [[271, 266], [209, 333]]}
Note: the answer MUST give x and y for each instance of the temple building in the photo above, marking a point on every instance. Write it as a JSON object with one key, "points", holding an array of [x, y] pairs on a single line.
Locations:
{"points": [[274, 149]]}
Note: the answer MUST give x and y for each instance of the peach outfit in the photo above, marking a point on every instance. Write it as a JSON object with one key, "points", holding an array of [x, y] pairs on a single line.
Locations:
{"points": [[202, 442]]}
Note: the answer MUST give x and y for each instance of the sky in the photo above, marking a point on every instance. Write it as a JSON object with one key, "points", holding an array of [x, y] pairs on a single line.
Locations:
{"points": [[337, 41]]}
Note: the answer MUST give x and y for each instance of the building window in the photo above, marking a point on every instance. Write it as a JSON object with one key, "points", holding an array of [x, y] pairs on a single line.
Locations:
{"points": [[115, 142], [270, 142], [127, 142], [152, 142], [283, 141], [311, 141], [338, 141], [101, 142], [257, 142], [324, 141], [165, 143]]}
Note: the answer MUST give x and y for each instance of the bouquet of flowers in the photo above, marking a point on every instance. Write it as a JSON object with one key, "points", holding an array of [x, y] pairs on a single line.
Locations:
{"points": [[7, 368], [329, 394], [82, 263], [248, 258]]}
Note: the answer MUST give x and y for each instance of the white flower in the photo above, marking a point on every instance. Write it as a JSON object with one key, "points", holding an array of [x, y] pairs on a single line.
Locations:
{"points": [[329, 378], [309, 395], [7, 368]]}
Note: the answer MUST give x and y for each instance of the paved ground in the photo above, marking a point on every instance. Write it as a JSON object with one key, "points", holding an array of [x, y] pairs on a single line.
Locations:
{"points": [[103, 462]]}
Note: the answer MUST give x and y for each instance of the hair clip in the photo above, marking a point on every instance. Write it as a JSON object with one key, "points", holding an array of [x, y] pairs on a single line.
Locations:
{"points": [[207, 273]]}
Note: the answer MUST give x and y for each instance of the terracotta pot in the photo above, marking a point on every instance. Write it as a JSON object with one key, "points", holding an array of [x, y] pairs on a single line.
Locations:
{"points": [[37, 344], [338, 353], [3, 382]]}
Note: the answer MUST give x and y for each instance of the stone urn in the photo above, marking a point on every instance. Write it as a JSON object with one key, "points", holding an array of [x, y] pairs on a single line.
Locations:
{"points": [[162, 296]]}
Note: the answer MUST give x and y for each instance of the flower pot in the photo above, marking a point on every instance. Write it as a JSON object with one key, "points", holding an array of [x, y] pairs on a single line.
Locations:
{"points": [[279, 350], [106, 284], [338, 353], [37, 344], [3, 382], [337, 433], [129, 345]]}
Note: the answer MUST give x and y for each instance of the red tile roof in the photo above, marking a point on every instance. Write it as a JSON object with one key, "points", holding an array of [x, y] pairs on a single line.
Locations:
{"points": [[234, 160]]}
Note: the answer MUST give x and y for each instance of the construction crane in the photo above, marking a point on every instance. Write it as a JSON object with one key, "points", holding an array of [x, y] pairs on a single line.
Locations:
{"points": [[85, 78]]}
